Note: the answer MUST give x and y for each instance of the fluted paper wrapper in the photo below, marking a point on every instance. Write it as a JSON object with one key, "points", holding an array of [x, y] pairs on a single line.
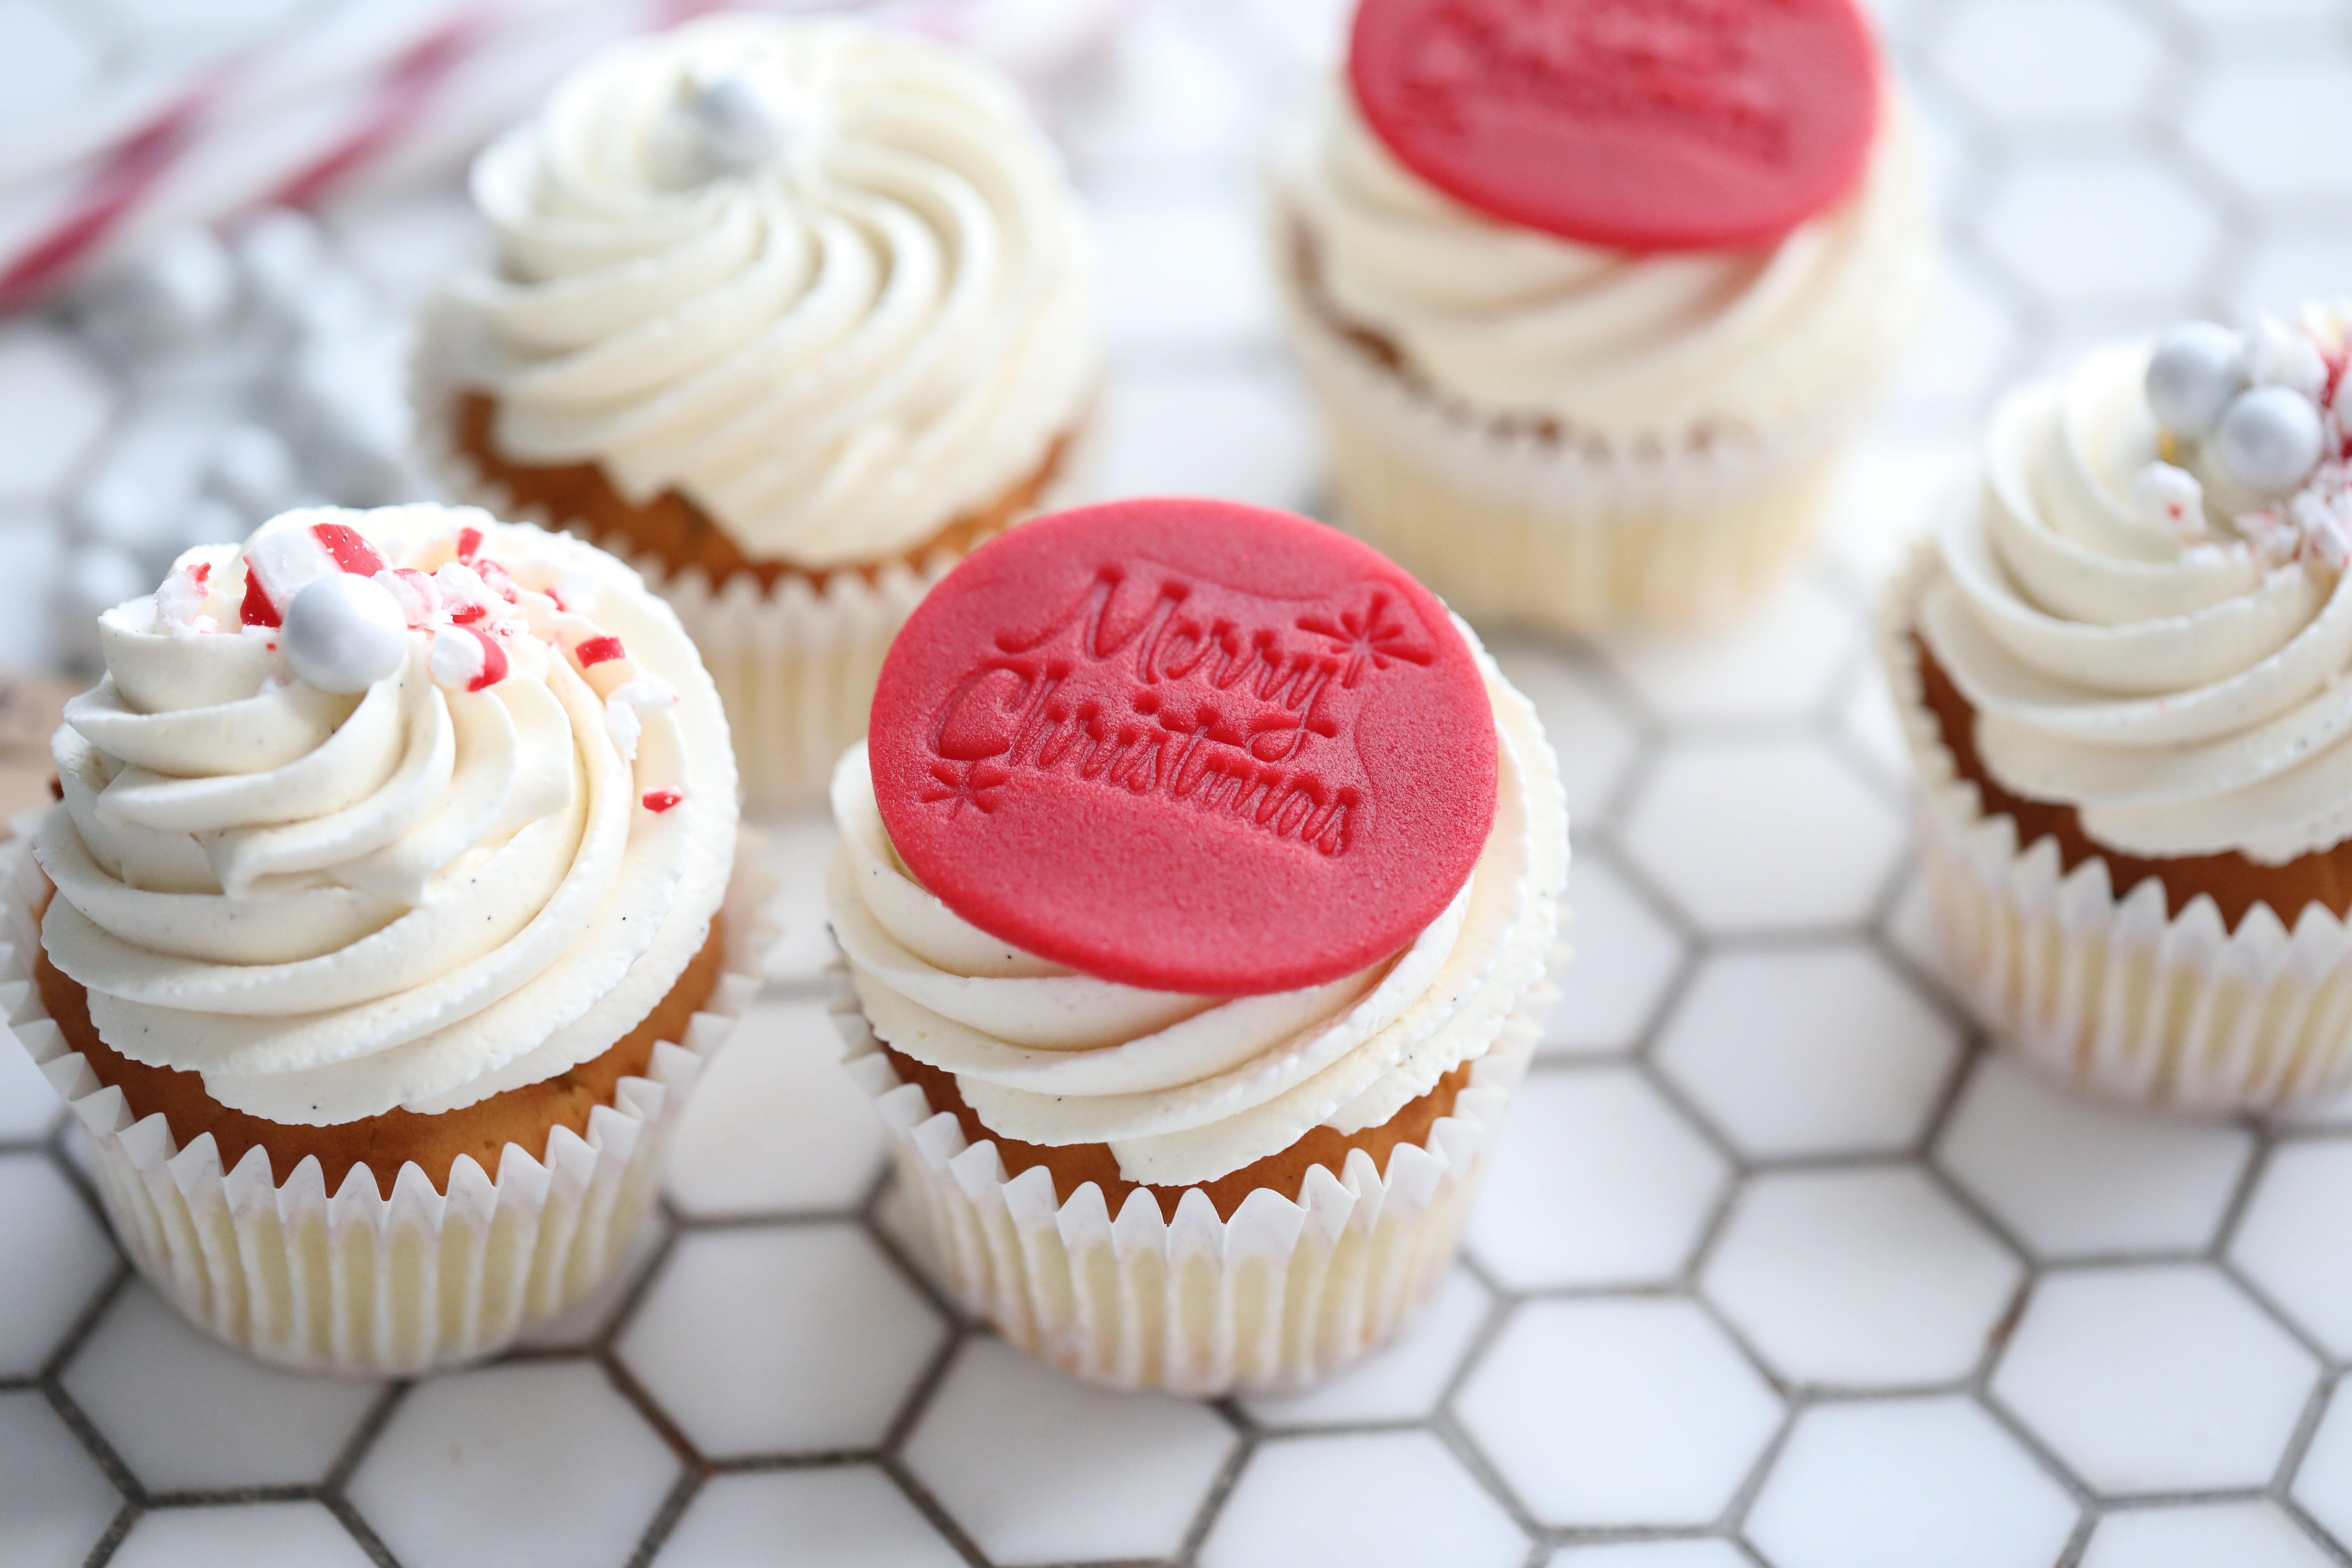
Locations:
{"points": [[350, 1282], [1280, 1296], [1508, 527], [2111, 995], [796, 664]]}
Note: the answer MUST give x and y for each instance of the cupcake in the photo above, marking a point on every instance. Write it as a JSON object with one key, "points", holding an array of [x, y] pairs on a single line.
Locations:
{"points": [[1198, 891], [376, 934], [2121, 669], [1589, 306], [790, 313]]}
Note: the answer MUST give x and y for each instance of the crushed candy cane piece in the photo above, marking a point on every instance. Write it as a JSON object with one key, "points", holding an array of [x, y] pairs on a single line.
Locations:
{"points": [[597, 650], [2171, 499], [467, 658], [661, 800]]}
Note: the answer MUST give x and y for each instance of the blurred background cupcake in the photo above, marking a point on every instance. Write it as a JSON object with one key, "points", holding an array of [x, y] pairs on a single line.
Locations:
{"points": [[376, 937], [793, 314], [2122, 668], [1590, 307]]}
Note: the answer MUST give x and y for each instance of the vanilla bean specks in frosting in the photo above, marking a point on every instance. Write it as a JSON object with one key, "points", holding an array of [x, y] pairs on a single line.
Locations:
{"points": [[2147, 606], [1186, 1088], [398, 808], [826, 281], [1514, 321]]}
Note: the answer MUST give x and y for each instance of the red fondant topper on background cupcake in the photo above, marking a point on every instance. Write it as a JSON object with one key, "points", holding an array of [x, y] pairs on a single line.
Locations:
{"points": [[1093, 742], [1643, 125]]}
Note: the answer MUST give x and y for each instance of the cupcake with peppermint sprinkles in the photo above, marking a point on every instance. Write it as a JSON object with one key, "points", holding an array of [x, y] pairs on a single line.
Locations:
{"points": [[2122, 667], [382, 925], [1199, 886], [791, 314], [1590, 295]]}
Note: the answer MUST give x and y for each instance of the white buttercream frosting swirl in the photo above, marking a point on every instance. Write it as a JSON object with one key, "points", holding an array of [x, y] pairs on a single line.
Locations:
{"points": [[2181, 683], [476, 873], [826, 282], [1515, 321], [1187, 1089]]}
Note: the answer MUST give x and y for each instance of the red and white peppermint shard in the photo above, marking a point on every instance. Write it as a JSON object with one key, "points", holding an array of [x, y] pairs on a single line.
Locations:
{"points": [[280, 563], [467, 658]]}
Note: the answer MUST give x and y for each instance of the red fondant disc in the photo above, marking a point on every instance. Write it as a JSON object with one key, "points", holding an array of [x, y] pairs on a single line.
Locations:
{"points": [[1186, 744], [1643, 125]]}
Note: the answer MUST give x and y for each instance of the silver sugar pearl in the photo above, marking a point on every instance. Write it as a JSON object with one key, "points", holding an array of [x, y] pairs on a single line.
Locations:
{"points": [[344, 633], [744, 122], [2269, 440], [2195, 372]]}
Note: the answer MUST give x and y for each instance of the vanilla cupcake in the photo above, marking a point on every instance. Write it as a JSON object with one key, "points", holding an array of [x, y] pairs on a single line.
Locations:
{"points": [[791, 314], [376, 936], [1199, 886], [1589, 314], [2122, 670]]}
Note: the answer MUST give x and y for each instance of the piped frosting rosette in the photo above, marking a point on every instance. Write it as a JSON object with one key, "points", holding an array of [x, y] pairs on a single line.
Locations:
{"points": [[391, 809], [1185, 1088], [827, 283], [2146, 611], [1571, 433]]}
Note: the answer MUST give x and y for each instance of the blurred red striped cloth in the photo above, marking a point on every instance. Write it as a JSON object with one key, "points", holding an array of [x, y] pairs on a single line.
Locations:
{"points": [[350, 92]]}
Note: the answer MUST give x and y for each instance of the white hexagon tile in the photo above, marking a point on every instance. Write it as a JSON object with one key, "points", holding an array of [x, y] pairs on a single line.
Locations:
{"points": [[1776, 1267]]}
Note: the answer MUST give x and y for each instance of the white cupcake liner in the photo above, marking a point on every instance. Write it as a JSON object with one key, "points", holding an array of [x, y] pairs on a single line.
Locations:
{"points": [[795, 664], [2111, 995], [1280, 1296], [1561, 535], [350, 1282]]}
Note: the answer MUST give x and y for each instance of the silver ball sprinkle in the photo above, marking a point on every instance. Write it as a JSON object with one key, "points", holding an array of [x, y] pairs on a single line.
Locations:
{"points": [[344, 633], [2195, 372], [744, 122], [2269, 440]]}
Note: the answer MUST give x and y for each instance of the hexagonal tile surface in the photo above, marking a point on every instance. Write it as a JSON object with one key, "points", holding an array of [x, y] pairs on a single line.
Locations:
{"points": [[58, 1255], [825, 1363], [1652, 1554], [2323, 1482], [54, 400], [845, 1517], [256, 1535], [1401, 1382], [147, 1381], [1763, 835], [1776, 661], [1623, 957], [2269, 126], [1618, 1412], [1859, 1279], [1596, 1181], [2074, 1179], [1928, 1483], [2158, 1378], [795, 848], [2101, 228], [776, 1124], [2241, 1534], [54, 1502], [1038, 1468], [2099, 59], [2296, 1240], [1241, 432], [1595, 741], [1380, 1500], [526, 1462], [1808, 1052]]}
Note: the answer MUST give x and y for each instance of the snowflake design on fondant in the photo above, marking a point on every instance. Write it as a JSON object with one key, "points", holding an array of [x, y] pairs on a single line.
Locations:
{"points": [[958, 785], [1370, 638]]}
